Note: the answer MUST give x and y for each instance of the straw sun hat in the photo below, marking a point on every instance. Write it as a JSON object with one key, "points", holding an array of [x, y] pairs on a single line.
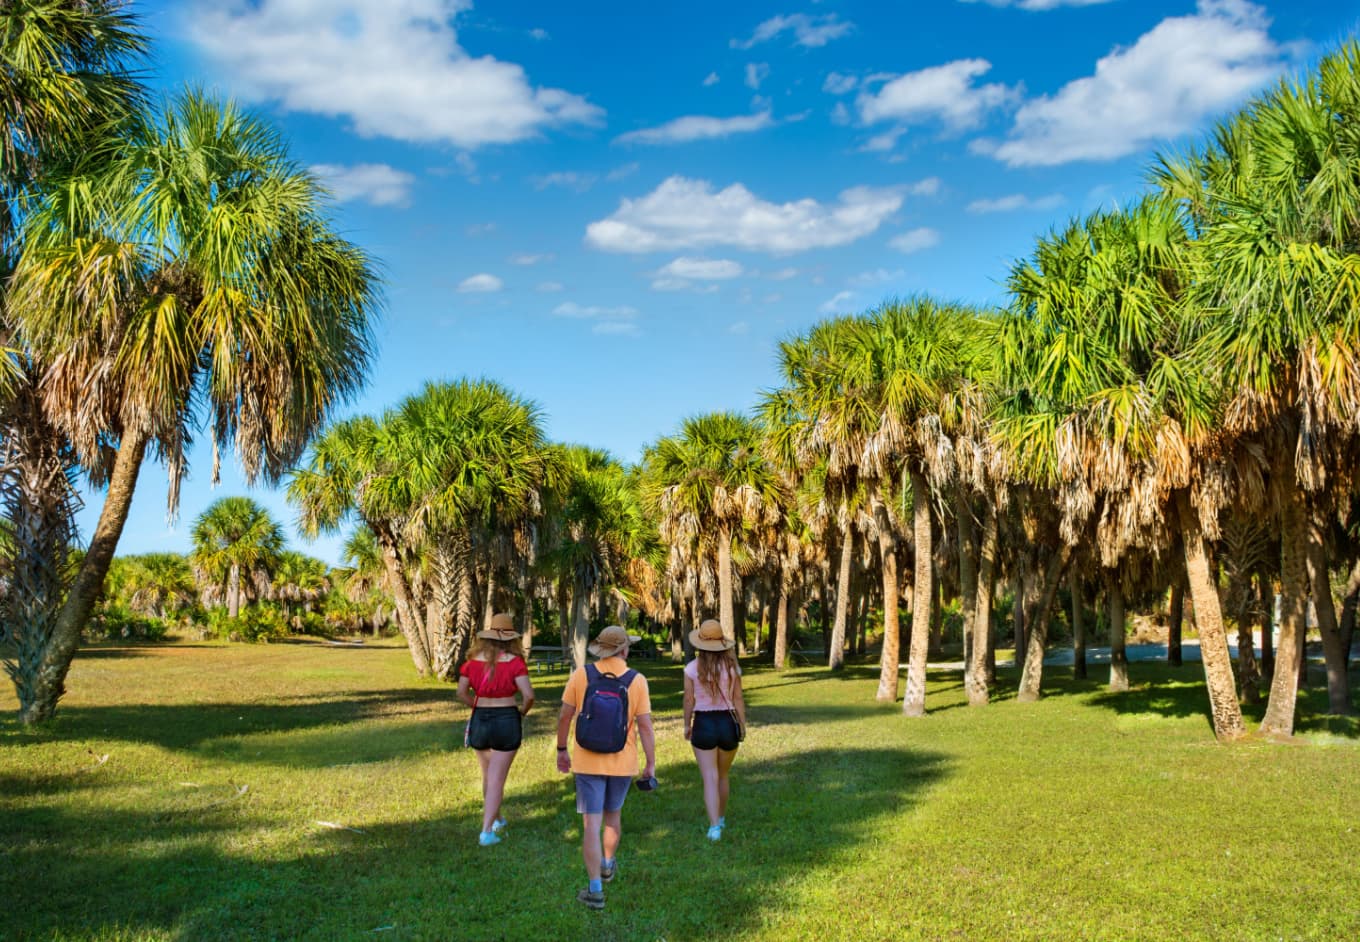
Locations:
{"points": [[502, 628], [611, 640], [709, 637]]}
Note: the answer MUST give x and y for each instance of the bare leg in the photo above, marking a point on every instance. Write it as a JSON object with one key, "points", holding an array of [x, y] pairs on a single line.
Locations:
{"points": [[493, 785], [724, 763], [708, 771], [590, 844], [613, 831]]}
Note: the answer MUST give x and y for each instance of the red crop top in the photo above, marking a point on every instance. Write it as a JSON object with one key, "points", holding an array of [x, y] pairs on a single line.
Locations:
{"points": [[502, 685]]}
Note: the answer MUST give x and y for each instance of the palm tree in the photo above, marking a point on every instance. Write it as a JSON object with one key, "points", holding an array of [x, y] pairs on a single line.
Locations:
{"points": [[234, 540], [1275, 197], [299, 581], [707, 483], [158, 584], [1109, 413], [65, 74], [188, 274]]}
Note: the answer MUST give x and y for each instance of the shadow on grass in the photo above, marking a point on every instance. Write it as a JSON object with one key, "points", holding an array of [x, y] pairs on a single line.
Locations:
{"points": [[219, 871]]}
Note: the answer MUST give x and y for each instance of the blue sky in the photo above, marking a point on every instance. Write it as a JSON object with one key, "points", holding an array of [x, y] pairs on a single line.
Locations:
{"points": [[618, 209]]}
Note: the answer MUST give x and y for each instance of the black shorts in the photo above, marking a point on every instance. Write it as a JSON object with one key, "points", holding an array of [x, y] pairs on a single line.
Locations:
{"points": [[714, 729], [499, 728]]}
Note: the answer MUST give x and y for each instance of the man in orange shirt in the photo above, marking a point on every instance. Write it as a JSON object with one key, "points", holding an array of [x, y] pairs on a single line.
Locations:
{"points": [[603, 778]]}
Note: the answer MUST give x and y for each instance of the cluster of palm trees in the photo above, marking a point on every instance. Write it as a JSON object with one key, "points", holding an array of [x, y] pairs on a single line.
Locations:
{"points": [[165, 269]]}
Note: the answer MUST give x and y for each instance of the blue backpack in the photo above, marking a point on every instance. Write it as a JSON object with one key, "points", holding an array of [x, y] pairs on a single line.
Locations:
{"points": [[602, 725]]}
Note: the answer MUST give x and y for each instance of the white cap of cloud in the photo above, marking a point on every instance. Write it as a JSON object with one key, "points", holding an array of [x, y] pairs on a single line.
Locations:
{"points": [[393, 67], [684, 214], [480, 284]]}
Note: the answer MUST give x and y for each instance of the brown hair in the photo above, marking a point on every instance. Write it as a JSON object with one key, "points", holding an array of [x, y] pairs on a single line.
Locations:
{"points": [[490, 650], [712, 665]]}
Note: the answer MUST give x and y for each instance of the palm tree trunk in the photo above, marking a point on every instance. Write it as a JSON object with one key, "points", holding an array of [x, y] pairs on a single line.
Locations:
{"points": [[835, 652], [49, 677], [889, 661], [1213, 640], [923, 588], [1265, 598], [1119, 661], [1248, 674], [580, 627], [781, 624], [1078, 627], [408, 621], [1175, 622], [1338, 694], [1284, 684], [465, 610], [1032, 674], [490, 607], [726, 615], [564, 615], [968, 579], [975, 678], [234, 591], [1350, 601]]}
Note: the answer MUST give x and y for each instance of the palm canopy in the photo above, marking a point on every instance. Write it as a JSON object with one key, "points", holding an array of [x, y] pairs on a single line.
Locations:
{"points": [[190, 277], [232, 538]]}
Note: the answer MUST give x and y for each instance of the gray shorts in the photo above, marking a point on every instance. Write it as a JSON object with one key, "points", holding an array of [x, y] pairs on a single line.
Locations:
{"points": [[596, 794]]}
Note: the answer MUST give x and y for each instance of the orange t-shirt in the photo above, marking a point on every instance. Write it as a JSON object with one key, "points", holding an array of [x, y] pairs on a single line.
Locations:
{"points": [[624, 762]]}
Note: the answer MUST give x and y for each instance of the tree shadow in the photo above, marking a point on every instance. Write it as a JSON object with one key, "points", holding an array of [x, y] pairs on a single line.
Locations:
{"points": [[188, 871]]}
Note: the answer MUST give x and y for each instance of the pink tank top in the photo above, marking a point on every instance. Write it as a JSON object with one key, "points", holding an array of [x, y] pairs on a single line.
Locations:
{"points": [[707, 699]]}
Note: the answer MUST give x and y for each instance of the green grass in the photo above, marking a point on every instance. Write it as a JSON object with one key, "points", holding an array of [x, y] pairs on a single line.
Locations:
{"points": [[1085, 816]]}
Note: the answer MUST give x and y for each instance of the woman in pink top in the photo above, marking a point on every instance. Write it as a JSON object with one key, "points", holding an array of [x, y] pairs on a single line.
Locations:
{"points": [[715, 716], [488, 683]]}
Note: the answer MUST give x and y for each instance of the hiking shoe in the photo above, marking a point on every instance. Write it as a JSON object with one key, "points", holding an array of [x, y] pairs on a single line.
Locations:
{"points": [[607, 871], [497, 826], [487, 838], [715, 832], [722, 822], [591, 900]]}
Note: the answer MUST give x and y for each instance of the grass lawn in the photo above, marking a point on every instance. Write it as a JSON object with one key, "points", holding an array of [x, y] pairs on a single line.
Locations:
{"points": [[1084, 816]]}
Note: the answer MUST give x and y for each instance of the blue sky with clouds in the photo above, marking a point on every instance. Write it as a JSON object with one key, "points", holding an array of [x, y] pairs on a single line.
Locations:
{"points": [[618, 208]]}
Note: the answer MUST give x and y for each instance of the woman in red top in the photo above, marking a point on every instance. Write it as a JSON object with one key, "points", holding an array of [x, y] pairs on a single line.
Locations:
{"points": [[487, 683]]}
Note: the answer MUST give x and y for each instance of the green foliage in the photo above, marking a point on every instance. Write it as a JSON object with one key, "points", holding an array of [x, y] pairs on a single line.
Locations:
{"points": [[115, 621], [255, 623]]}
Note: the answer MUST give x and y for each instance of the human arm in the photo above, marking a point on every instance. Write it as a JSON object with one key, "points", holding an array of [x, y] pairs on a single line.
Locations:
{"points": [[465, 692], [647, 736], [526, 692], [689, 706], [564, 719]]}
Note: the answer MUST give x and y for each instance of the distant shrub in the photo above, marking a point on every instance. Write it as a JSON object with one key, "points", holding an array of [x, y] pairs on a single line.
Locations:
{"points": [[116, 622], [255, 623]]}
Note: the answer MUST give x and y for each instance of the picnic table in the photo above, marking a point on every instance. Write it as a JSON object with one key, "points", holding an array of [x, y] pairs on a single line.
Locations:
{"points": [[547, 657]]}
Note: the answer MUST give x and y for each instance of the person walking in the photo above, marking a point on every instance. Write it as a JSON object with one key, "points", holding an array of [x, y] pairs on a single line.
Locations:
{"points": [[488, 682], [612, 707], [715, 716]]}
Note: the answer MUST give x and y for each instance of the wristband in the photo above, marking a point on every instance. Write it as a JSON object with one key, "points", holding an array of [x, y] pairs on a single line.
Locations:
{"points": [[561, 748]]}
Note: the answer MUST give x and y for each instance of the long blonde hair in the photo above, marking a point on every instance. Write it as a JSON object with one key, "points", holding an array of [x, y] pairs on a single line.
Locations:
{"points": [[490, 650], [712, 665]]}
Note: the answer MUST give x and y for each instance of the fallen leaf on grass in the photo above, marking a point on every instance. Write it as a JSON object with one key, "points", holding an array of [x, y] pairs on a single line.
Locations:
{"points": [[340, 827], [98, 761]]}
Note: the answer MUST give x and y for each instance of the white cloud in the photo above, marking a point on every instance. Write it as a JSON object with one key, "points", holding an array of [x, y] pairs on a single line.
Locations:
{"points": [[480, 284], [394, 68], [810, 31], [838, 84], [711, 79], [539, 34], [883, 142], [1015, 202], [572, 309], [376, 184], [740, 327], [915, 240], [946, 93], [840, 114], [686, 214], [550, 287], [1034, 5], [618, 173], [567, 179], [527, 258], [616, 328], [477, 229], [926, 186], [877, 277], [702, 269], [1181, 72], [756, 72], [836, 303], [697, 128], [784, 274]]}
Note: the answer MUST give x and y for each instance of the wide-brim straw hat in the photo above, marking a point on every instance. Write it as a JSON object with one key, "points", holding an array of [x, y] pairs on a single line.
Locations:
{"points": [[709, 637], [502, 628], [611, 640]]}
